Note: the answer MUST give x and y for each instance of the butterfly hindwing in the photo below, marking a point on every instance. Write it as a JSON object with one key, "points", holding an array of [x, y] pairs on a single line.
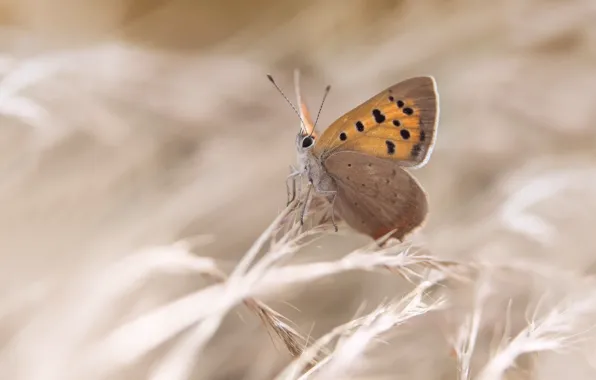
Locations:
{"points": [[375, 195], [399, 124]]}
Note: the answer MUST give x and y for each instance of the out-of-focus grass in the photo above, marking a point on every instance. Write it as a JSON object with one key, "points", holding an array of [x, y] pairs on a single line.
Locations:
{"points": [[143, 152]]}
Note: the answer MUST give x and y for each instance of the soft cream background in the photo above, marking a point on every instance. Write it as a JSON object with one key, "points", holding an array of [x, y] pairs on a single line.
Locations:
{"points": [[126, 124]]}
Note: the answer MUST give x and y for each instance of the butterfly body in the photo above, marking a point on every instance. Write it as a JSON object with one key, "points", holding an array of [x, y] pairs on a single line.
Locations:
{"points": [[359, 162]]}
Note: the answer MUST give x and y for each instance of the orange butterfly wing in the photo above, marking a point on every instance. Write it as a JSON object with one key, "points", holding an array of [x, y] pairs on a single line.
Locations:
{"points": [[399, 123]]}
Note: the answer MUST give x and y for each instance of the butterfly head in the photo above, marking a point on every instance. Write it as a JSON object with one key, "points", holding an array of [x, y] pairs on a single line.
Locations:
{"points": [[304, 144]]}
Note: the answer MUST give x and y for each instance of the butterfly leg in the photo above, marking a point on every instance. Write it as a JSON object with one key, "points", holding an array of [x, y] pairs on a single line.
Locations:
{"points": [[334, 194], [292, 177], [306, 199]]}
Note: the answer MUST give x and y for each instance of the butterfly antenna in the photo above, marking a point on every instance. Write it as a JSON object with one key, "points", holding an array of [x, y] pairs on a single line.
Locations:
{"points": [[286, 98], [327, 89]]}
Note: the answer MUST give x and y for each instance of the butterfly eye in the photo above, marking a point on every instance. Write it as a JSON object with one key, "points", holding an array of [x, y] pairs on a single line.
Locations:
{"points": [[307, 142]]}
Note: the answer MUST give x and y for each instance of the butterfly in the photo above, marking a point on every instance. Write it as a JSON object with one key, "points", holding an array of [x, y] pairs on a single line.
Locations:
{"points": [[360, 161]]}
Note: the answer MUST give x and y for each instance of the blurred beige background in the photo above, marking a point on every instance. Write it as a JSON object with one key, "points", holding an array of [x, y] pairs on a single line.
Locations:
{"points": [[126, 124]]}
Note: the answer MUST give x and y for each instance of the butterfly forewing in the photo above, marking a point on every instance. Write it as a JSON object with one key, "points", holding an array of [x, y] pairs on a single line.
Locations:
{"points": [[375, 195], [398, 124]]}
